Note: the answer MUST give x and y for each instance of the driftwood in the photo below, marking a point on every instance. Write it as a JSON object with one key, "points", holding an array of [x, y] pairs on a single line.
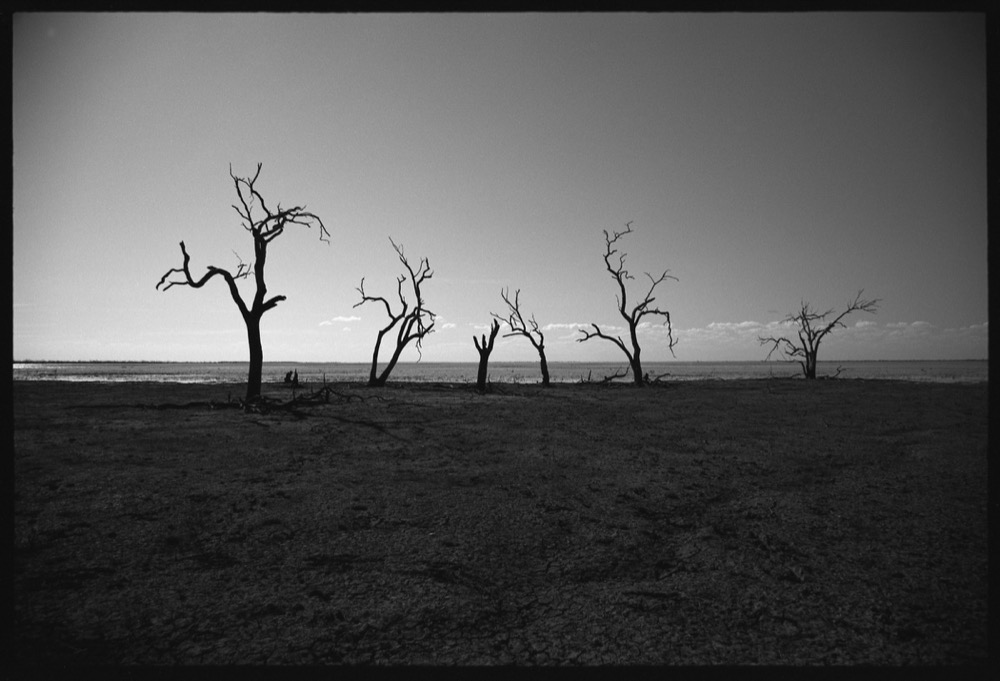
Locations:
{"points": [[321, 396]]}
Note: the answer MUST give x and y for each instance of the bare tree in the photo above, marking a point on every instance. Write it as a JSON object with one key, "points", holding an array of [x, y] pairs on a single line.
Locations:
{"points": [[812, 329], [264, 225], [634, 316], [412, 322], [518, 328], [484, 355]]}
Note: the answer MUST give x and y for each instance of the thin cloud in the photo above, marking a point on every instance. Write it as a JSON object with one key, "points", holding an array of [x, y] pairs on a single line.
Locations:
{"points": [[972, 330], [727, 331], [909, 325], [735, 326], [341, 319], [561, 325]]}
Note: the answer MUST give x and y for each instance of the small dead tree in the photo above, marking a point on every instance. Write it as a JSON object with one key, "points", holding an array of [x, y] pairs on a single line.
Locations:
{"points": [[634, 316], [812, 329], [264, 225], [484, 355], [518, 328], [413, 322]]}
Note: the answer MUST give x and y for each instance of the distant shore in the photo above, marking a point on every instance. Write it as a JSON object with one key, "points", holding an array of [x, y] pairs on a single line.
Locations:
{"points": [[959, 371]]}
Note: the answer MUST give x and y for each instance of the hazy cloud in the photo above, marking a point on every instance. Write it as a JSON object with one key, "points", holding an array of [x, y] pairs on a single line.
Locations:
{"points": [[909, 325], [329, 322], [574, 326], [735, 326], [732, 331], [971, 331]]}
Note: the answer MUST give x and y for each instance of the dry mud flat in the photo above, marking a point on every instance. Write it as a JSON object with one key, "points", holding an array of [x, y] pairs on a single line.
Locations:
{"points": [[756, 522]]}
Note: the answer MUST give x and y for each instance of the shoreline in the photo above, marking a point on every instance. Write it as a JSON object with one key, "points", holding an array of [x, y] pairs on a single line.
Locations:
{"points": [[511, 383], [500, 372]]}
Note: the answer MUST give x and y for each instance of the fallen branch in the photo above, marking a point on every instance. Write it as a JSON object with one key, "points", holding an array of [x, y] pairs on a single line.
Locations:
{"points": [[618, 374], [322, 396]]}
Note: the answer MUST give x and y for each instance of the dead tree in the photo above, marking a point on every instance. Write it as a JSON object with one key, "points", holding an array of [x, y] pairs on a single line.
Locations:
{"points": [[812, 329], [264, 225], [634, 316], [484, 355], [518, 328], [412, 322]]}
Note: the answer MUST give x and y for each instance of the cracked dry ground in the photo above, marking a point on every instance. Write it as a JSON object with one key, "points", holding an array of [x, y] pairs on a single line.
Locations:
{"points": [[757, 522]]}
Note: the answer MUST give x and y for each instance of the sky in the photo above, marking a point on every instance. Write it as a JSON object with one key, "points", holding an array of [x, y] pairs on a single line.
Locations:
{"points": [[763, 159]]}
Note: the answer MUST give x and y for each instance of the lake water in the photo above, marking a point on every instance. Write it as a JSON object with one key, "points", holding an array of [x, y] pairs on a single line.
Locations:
{"points": [[969, 371]]}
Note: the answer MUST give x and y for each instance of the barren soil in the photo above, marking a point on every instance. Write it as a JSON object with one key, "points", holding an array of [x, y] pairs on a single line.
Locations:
{"points": [[716, 522]]}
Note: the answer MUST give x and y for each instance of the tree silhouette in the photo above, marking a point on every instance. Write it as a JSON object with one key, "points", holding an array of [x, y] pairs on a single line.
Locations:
{"points": [[812, 329], [518, 328], [634, 316], [412, 322], [264, 225], [484, 355]]}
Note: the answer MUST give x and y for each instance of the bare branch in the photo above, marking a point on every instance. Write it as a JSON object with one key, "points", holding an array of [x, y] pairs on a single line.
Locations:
{"points": [[597, 333], [783, 346], [634, 316], [487, 347], [263, 232], [271, 303], [618, 374], [516, 322], [414, 326], [271, 225], [484, 354], [365, 298], [812, 329], [212, 271], [518, 327], [245, 213]]}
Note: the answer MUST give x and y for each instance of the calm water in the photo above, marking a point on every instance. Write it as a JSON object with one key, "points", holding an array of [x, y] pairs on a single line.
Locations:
{"points": [[971, 371]]}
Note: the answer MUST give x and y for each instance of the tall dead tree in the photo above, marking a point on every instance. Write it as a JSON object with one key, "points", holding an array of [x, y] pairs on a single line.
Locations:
{"points": [[634, 316], [518, 328], [412, 322], [812, 329], [484, 355], [264, 225]]}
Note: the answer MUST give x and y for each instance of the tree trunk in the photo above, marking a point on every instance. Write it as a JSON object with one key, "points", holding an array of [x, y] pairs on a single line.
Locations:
{"points": [[384, 376], [545, 368], [637, 376], [256, 358], [484, 359], [810, 365], [484, 355], [373, 380]]}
